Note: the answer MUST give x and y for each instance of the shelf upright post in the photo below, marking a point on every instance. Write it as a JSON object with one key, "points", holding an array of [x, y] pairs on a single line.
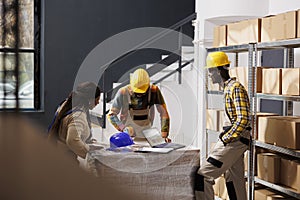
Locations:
{"points": [[236, 59], [252, 63], [288, 63]]}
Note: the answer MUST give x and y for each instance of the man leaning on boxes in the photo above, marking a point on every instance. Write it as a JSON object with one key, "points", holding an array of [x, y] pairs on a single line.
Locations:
{"points": [[227, 156]]}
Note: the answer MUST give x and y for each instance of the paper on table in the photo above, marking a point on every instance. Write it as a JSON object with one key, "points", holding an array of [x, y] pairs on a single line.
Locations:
{"points": [[155, 150]]}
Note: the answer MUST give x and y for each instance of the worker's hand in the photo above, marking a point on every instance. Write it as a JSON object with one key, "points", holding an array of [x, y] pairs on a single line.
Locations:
{"points": [[91, 141], [165, 135], [129, 130], [168, 140], [93, 147], [220, 137]]}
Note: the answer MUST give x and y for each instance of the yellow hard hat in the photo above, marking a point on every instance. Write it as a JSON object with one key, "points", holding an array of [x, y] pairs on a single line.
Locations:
{"points": [[216, 59], [140, 81]]}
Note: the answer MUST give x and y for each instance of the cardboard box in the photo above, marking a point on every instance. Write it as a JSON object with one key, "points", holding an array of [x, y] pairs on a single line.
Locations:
{"points": [[243, 32], [241, 74], [262, 194], [298, 23], [279, 197], [221, 120], [220, 36], [291, 81], [290, 174], [272, 81], [220, 189], [212, 119], [258, 115], [282, 131], [232, 71], [268, 167], [279, 27]]}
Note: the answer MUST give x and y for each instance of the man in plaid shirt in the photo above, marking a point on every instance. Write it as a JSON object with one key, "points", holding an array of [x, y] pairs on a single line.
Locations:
{"points": [[227, 156]]}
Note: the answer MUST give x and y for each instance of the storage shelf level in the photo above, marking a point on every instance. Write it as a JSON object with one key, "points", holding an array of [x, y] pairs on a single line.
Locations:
{"points": [[279, 188], [233, 49], [215, 92], [292, 43], [278, 97], [283, 150]]}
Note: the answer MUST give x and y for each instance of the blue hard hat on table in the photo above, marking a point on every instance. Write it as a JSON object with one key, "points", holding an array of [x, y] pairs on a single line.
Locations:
{"points": [[121, 139]]}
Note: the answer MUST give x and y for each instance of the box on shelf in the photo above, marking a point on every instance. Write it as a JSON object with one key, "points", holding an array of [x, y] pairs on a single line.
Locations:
{"points": [[272, 81], [221, 114], [290, 174], [258, 115], [279, 27], [291, 81], [283, 131], [279, 197], [262, 194], [220, 189], [268, 167], [257, 151], [298, 23], [220, 36], [267, 194], [212, 119], [241, 74], [243, 32]]}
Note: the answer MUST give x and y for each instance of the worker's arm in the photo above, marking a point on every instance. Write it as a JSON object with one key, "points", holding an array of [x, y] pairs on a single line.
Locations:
{"points": [[113, 118], [162, 109], [77, 126], [112, 115]]}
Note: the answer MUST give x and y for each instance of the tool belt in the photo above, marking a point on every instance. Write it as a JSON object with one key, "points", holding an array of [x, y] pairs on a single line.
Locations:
{"points": [[243, 140]]}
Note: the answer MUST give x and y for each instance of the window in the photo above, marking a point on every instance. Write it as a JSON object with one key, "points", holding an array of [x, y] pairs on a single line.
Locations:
{"points": [[19, 54]]}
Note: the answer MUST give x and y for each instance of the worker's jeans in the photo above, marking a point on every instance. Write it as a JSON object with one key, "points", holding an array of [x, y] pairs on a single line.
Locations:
{"points": [[227, 160]]}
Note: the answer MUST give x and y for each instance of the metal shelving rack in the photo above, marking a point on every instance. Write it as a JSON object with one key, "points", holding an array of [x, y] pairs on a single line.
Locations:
{"points": [[252, 49], [288, 46]]}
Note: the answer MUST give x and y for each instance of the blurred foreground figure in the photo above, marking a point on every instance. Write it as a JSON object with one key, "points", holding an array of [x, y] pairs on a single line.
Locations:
{"points": [[32, 169]]}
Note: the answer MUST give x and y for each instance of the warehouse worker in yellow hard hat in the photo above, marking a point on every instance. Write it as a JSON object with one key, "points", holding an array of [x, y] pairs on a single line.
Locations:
{"points": [[134, 104], [227, 156]]}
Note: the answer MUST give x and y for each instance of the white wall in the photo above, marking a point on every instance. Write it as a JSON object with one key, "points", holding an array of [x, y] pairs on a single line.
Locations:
{"points": [[280, 6]]}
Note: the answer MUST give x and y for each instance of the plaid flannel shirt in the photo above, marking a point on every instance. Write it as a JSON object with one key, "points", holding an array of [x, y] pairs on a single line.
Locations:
{"points": [[237, 107]]}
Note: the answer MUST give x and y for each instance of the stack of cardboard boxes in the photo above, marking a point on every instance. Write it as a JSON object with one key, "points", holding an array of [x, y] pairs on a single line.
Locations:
{"points": [[267, 29], [279, 170], [267, 194], [282, 131]]}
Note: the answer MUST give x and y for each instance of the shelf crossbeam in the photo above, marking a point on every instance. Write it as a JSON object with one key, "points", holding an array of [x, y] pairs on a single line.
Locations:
{"points": [[278, 97], [292, 43], [278, 188], [286, 151], [232, 49]]}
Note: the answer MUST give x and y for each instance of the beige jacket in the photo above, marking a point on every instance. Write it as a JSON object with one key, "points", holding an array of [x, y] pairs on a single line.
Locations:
{"points": [[73, 132]]}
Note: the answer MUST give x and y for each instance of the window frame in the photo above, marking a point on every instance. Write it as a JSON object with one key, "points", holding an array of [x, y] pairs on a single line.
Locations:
{"points": [[37, 51]]}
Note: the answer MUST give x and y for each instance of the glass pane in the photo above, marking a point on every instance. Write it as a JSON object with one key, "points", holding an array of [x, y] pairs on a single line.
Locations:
{"points": [[8, 81], [26, 24]]}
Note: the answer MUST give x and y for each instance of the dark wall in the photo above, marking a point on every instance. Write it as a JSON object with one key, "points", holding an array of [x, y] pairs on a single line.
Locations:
{"points": [[74, 27]]}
